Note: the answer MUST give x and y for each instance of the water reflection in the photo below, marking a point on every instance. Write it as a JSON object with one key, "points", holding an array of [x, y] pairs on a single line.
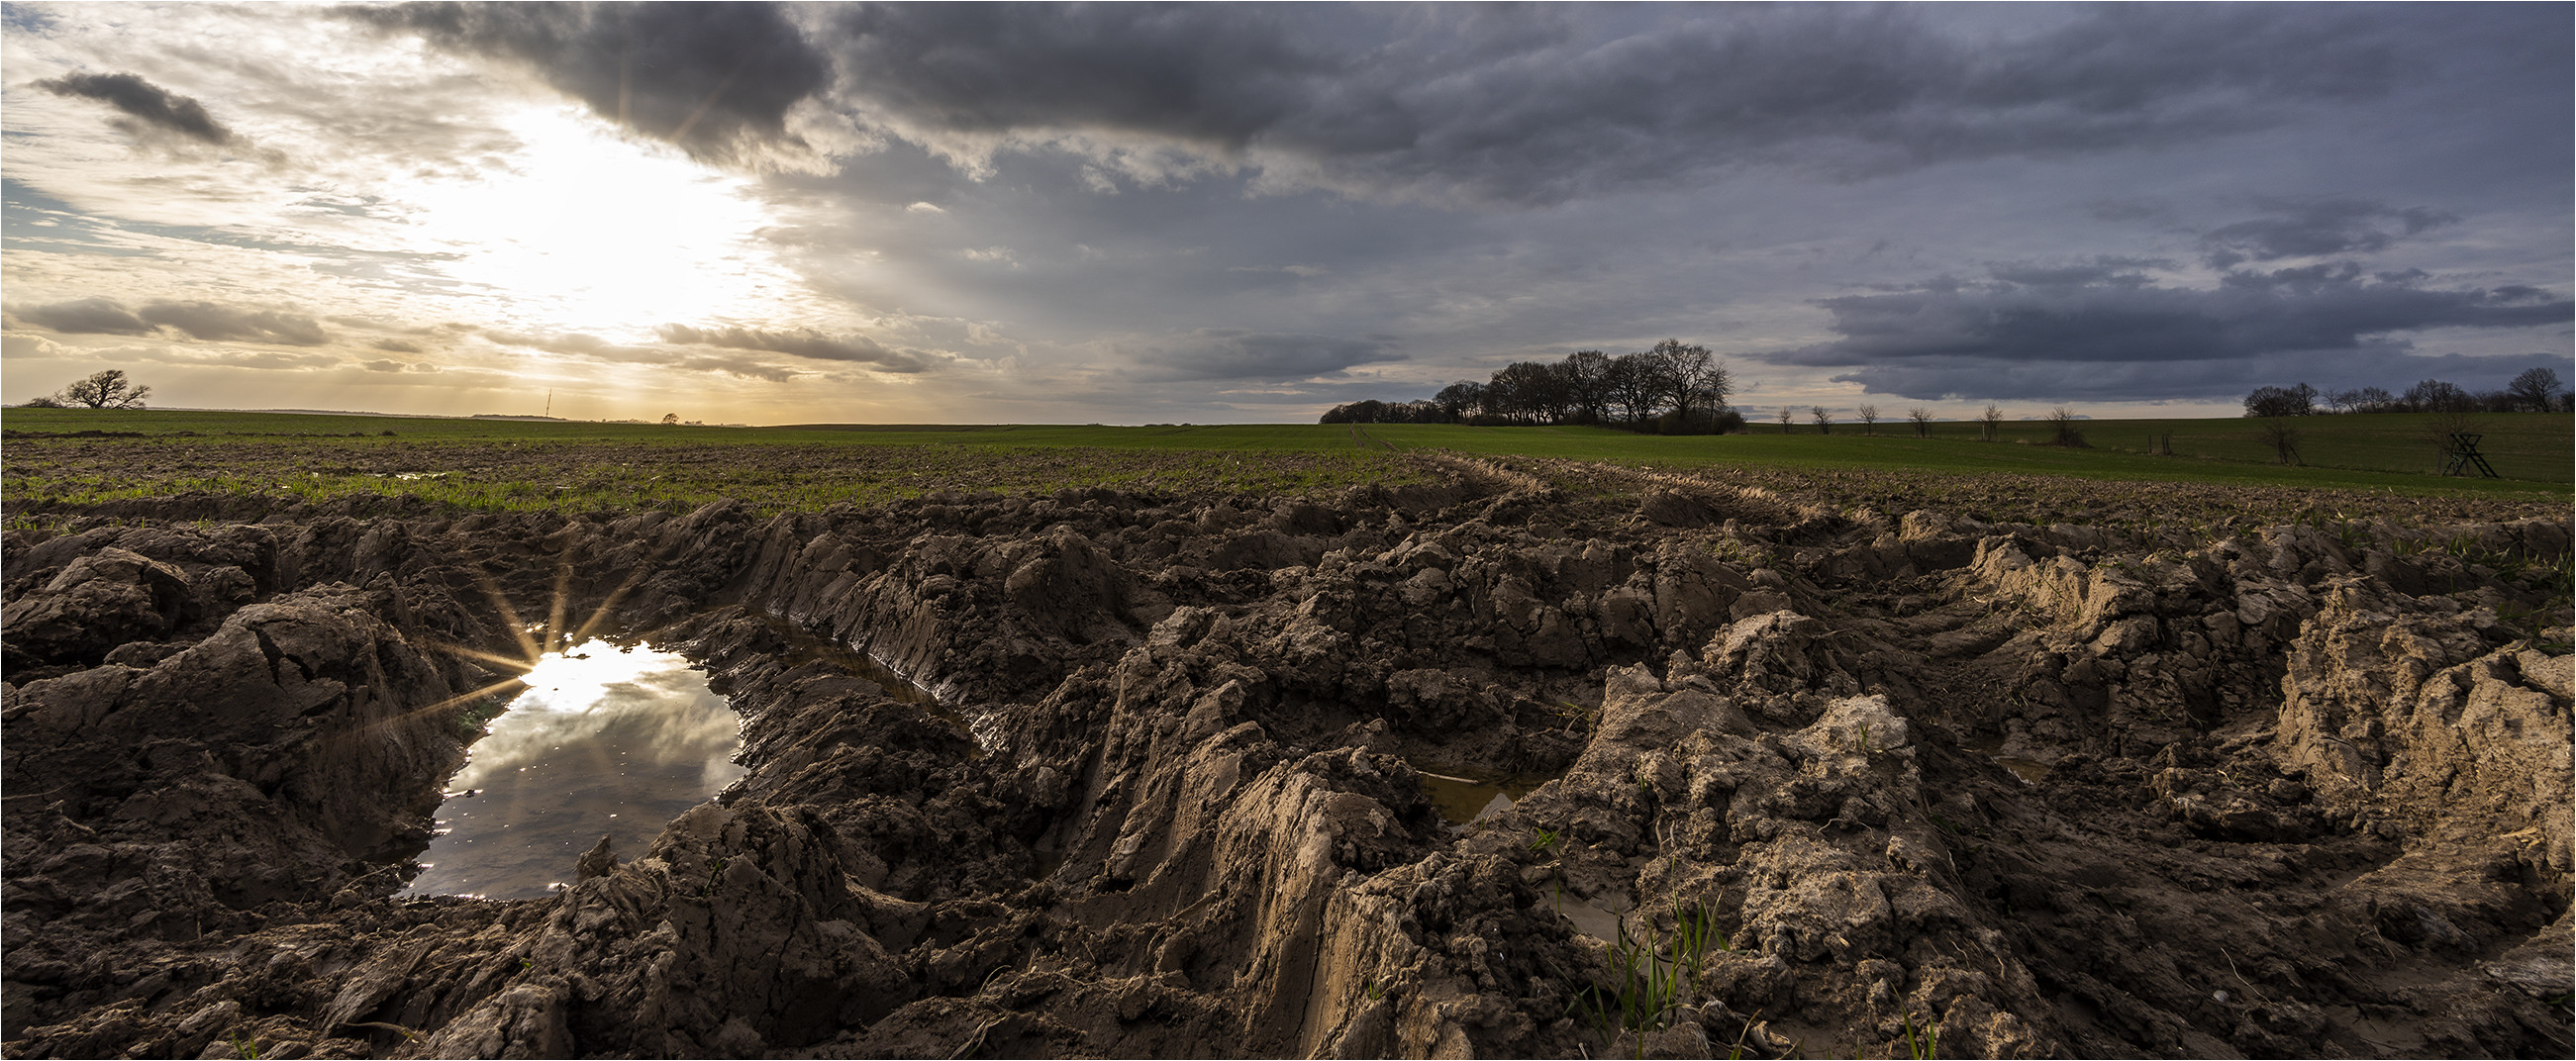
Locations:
{"points": [[606, 740], [1463, 800]]}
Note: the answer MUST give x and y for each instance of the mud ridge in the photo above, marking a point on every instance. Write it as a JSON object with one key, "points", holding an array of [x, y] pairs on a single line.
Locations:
{"points": [[1108, 774]]}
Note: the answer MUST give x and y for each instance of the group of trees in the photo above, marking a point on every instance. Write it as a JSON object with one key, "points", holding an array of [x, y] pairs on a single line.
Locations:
{"points": [[2534, 391], [102, 390], [1675, 387]]}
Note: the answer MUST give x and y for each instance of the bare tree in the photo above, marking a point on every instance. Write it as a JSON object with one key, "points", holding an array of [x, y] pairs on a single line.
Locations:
{"points": [[2440, 396], [1824, 420], [1787, 414], [1922, 418], [2535, 390], [1458, 398], [2062, 422], [2370, 400], [1689, 377], [1869, 419], [2300, 400], [1993, 422], [105, 390], [2444, 428], [2282, 434], [1587, 379], [1633, 387]]}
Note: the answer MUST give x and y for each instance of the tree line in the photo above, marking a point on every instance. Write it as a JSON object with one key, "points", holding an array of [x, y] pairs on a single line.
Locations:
{"points": [[1674, 388], [2535, 391]]}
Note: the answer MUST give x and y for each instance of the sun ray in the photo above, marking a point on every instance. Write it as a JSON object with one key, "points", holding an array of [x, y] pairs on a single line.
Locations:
{"points": [[466, 652], [450, 702], [509, 616], [555, 641], [634, 577]]}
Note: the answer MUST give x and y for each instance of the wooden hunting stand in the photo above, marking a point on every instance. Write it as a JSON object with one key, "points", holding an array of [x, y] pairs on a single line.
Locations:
{"points": [[2463, 452]]}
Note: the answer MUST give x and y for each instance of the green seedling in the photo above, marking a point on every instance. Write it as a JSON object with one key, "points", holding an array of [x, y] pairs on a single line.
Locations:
{"points": [[1651, 975], [245, 1046], [1548, 842], [1694, 929], [1924, 1044]]}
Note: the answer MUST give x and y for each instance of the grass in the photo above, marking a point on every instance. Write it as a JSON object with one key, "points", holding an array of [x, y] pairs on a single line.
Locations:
{"points": [[569, 466], [1653, 975]]}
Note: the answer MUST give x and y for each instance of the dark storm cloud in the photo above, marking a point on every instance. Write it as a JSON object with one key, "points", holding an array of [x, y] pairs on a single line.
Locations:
{"points": [[2316, 229], [153, 108], [1546, 104], [2120, 338], [219, 323], [715, 79], [2110, 270], [86, 316], [808, 344], [1235, 354]]}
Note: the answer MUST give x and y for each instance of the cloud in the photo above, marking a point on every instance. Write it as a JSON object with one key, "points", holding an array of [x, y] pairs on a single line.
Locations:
{"points": [[808, 344], [2105, 269], [85, 316], [206, 321], [268, 360], [21, 345], [1236, 354], [717, 80], [2116, 336], [397, 346], [391, 365], [217, 323], [154, 109], [2316, 228], [1542, 105]]}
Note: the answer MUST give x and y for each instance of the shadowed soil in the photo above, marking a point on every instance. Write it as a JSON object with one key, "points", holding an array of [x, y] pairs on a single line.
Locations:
{"points": [[2062, 790]]}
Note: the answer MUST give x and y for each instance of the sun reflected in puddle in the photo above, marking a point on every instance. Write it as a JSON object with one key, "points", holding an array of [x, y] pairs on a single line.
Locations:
{"points": [[606, 740]]}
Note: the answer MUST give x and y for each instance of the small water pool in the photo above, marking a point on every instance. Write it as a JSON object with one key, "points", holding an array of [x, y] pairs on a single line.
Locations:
{"points": [[1462, 800], [607, 740]]}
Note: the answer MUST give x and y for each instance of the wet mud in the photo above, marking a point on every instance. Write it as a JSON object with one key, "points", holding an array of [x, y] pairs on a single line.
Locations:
{"points": [[1100, 774]]}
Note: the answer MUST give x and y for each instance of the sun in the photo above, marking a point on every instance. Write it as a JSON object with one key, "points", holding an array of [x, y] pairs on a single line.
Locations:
{"points": [[586, 230]]}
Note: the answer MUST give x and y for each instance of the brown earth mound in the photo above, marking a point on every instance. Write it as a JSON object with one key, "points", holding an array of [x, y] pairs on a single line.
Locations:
{"points": [[1815, 783]]}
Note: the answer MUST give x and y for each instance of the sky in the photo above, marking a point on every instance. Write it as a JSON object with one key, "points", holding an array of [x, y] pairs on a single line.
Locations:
{"points": [[1218, 213]]}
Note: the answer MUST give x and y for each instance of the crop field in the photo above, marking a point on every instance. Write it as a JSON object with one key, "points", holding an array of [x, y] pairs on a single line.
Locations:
{"points": [[71, 459]]}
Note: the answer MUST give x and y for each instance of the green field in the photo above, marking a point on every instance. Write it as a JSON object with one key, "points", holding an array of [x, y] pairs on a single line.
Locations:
{"points": [[47, 464]]}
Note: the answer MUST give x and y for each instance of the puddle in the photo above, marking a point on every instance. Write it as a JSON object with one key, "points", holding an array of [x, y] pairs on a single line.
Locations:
{"points": [[1462, 800], [2030, 771], [606, 740]]}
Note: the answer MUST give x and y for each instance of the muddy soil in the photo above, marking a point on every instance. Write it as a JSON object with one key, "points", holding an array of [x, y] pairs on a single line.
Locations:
{"points": [[1149, 782]]}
